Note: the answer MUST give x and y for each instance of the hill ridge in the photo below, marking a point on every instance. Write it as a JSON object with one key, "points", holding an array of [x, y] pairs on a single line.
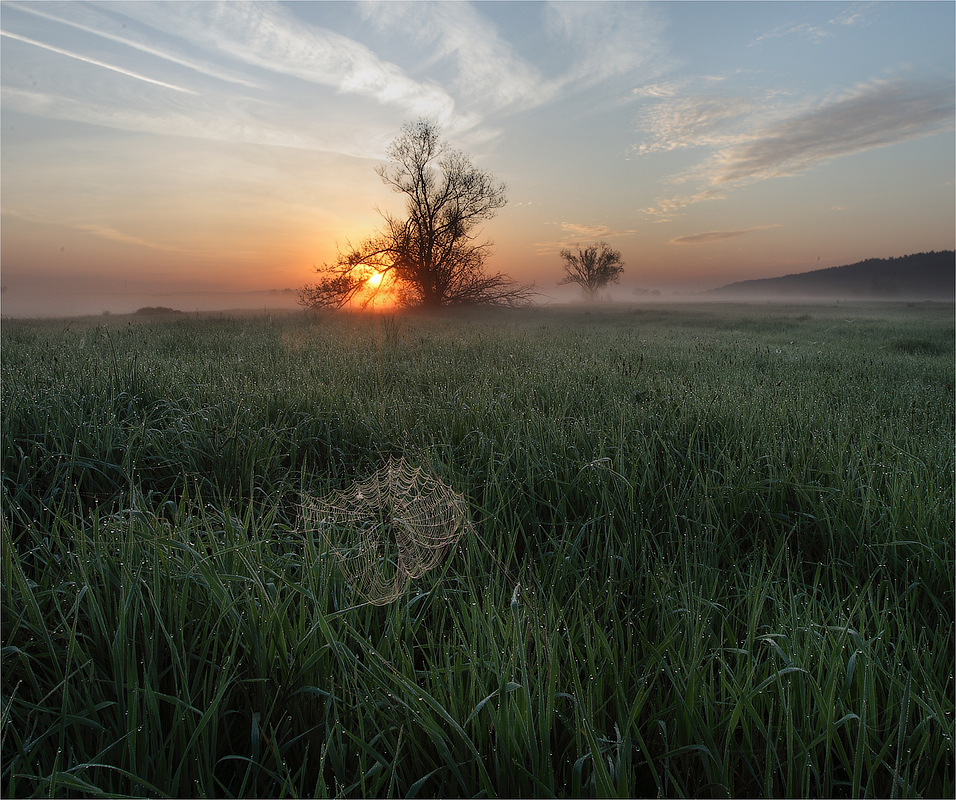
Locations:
{"points": [[929, 275]]}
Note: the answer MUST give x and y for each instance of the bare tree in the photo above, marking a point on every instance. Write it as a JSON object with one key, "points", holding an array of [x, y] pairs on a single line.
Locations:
{"points": [[592, 268], [430, 257]]}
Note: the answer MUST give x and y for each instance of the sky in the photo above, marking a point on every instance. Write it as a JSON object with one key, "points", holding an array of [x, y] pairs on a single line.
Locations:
{"points": [[186, 148]]}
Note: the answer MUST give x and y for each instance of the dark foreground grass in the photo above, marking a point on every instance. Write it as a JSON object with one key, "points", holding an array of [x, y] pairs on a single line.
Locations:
{"points": [[713, 555]]}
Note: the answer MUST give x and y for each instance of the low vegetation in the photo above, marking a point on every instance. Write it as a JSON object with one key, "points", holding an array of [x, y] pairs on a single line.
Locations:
{"points": [[712, 555], [156, 311]]}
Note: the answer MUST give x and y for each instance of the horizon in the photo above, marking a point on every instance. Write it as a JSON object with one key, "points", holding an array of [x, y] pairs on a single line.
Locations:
{"points": [[164, 149], [271, 302]]}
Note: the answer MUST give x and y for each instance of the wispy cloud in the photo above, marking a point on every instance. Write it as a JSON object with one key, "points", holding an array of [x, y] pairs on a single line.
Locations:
{"points": [[253, 47], [877, 114], [667, 209], [608, 38], [656, 90], [106, 232], [87, 19], [813, 32], [94, 228], [269, 37], [755, 139], [591, 231], [575, 233], [251, 122], [691, 122], [96, 62], [717, 236], [290, 81], [587, 43], [856, 14], [488, 75]]}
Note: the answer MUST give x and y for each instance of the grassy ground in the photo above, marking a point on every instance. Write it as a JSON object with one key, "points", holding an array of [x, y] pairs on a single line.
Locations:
{"points": [[732, 528]]}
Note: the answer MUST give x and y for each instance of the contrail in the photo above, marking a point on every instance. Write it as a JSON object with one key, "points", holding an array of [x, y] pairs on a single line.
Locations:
{"points": [[78, 57], [201, 68]]}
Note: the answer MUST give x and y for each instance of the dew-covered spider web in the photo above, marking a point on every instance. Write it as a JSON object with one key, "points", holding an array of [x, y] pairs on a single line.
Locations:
{"points": [[389, 529]]}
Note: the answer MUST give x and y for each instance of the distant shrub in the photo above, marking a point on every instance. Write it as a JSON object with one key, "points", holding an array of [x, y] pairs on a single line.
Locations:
{"points": [[155, 311]]}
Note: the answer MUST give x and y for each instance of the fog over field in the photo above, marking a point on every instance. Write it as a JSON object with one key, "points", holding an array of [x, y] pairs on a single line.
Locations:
{"points": [[26, 299]]}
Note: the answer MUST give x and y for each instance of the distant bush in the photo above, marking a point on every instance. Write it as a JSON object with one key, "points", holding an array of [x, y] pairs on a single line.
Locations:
{"points": [[156, 310]]}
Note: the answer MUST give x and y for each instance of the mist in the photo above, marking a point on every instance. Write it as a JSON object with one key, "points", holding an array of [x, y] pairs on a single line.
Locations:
{"points": [[48, 299]]}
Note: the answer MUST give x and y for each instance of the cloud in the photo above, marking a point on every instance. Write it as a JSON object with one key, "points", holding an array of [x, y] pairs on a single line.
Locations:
{"points": [[667, 209], [589, 231], [96, 229], [753, 139], [813, 32], [271, 38], [264, 43], [576, 233], [856, 14], [106, 232], [872, 115], [289, 81], [89, 20], [69, 54], [250, 122], [607, 38], [487, 72], [717, 236], [691, 122], [585, 45], [655, 90]]}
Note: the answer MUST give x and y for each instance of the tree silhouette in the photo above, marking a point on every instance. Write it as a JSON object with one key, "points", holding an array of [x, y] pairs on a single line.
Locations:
{"points": [[592, 268], [429, 258]]}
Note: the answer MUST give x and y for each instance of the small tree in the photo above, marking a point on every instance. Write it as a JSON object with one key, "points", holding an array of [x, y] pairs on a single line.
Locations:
{"points": [[592, 268], [430, 258]]}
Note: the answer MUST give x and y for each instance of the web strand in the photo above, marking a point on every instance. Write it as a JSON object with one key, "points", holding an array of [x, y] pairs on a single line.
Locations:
{"points": [[389, 529]]}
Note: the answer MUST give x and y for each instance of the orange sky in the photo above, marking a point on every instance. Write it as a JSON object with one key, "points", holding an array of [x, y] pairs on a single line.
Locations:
{"points": [[152, 149]]}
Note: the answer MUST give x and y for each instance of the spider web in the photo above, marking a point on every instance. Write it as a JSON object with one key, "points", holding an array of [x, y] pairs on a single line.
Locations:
{"points": [[390, 528]]}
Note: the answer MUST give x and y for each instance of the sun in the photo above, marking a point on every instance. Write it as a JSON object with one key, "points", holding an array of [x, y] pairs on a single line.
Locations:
{"points": [[378, 290]]}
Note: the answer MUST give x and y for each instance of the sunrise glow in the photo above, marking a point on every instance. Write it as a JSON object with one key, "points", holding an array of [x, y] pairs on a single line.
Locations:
{"points": [[203, 155]]}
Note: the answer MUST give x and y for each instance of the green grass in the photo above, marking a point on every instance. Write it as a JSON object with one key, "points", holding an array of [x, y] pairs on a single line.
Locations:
{"points": [[732, 528]]}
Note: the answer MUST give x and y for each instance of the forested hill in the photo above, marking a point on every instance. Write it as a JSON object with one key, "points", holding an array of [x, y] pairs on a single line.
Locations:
{"points": [[921, 276]]}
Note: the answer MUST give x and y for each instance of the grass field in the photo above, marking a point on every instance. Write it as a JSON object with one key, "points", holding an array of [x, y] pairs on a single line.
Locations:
{"points": [[713, 555]]}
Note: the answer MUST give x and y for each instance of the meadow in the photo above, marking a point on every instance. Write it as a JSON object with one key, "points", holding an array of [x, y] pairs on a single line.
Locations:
{"points": [[712, 554]]}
